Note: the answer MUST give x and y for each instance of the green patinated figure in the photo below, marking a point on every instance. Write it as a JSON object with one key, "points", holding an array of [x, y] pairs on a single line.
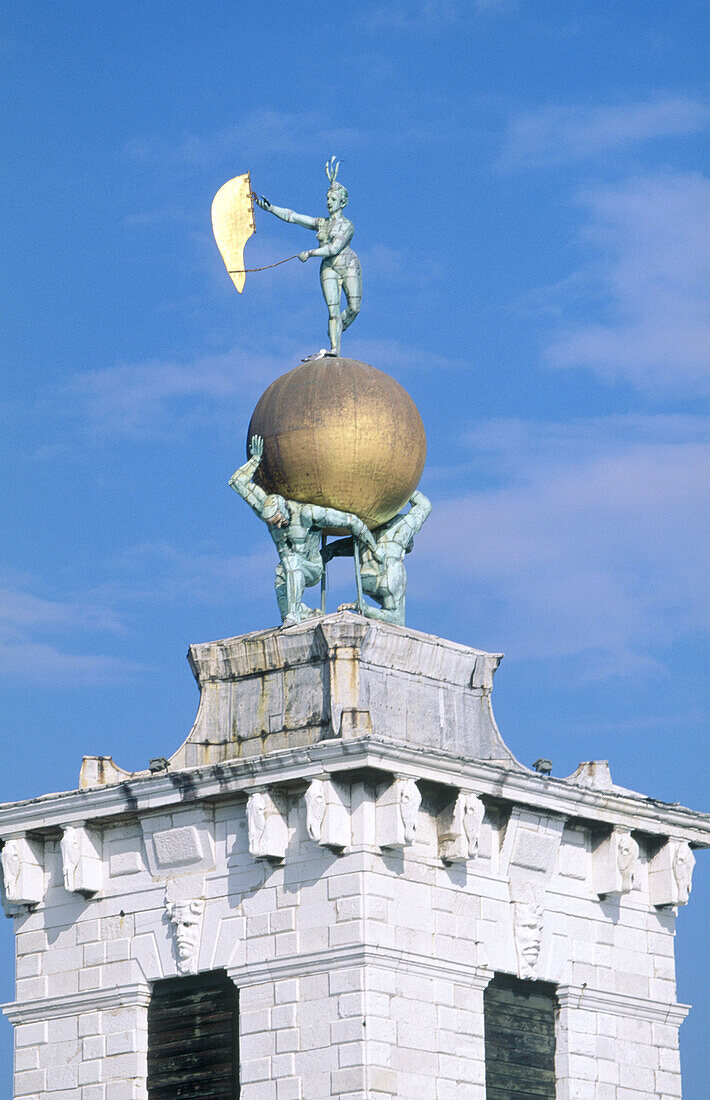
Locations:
{"points": [[384, 577], [340, 270], [296, 531]]}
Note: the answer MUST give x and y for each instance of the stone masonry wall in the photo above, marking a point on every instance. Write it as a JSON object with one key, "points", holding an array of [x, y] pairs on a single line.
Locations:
{"points": [[361, 963]]}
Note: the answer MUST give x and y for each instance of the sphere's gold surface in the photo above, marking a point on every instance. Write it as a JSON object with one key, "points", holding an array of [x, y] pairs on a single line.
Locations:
{"points": [[341, 434]]}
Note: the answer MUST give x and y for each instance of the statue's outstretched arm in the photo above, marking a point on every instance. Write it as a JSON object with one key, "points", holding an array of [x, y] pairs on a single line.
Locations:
{"points": [[241, 479], [332, 517], [286, 215]]}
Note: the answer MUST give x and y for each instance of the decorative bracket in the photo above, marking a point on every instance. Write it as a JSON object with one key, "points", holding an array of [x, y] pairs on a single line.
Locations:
{"points": [[266, 825], [327, 814], [615, 864], [397, 810], [670, 873], [82, 865], [459, 828], [23, 873]]}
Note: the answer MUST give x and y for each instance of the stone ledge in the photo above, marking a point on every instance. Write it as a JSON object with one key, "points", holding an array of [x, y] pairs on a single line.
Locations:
{"points": [[218, 782], [621, 1004], [136, 995]]}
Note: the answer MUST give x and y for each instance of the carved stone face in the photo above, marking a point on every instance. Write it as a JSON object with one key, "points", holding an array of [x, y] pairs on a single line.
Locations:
{"points": [[528, 936], [683, 863], [186, 919], [315, 808]]}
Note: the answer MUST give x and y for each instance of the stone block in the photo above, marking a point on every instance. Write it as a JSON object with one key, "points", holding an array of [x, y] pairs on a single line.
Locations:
{"points": [[22, 871]]}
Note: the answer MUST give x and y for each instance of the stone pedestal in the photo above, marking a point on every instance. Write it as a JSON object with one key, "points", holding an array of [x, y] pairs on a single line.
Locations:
{"points": [[346, 835]]}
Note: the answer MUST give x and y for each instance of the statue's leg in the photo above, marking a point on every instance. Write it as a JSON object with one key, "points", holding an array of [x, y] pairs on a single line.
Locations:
{"points": [[331, 283], [299, 574], [388, 589], [281, 590], [352, 286]]}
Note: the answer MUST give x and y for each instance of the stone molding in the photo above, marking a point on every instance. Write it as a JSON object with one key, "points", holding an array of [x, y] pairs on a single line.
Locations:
{"points": [[583, 998], [357, 955], [130, 995], [147, 792]]}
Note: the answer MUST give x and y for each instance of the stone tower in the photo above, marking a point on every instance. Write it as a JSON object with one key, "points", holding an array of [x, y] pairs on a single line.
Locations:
{"points": [[344, 885]]}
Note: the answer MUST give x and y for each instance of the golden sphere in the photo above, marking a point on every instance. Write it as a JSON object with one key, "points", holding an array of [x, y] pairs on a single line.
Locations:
{"points": [[341, 434]]}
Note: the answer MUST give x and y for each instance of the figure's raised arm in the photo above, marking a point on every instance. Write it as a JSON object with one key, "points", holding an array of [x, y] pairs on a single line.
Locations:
{"points": [[419, 512], [241, 480], [285, 214]]}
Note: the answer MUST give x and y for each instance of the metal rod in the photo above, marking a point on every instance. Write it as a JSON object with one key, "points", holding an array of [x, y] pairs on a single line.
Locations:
{"points": [[323, 579], [358, 578]]}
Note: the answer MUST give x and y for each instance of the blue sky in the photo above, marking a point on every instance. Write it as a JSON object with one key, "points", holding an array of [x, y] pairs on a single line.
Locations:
{"points": [[530, 187]]}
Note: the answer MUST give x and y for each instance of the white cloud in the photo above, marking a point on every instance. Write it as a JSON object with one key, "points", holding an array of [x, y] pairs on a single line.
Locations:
{"points": [[36, 663], [164, 397], [31, 651], [594, 547], [282, 133], [198, 574], [651, 286], [395, 358], [562, 134]]}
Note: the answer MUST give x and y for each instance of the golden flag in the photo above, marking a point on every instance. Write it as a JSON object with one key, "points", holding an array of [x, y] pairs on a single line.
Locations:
{"points": [[233, 224]]}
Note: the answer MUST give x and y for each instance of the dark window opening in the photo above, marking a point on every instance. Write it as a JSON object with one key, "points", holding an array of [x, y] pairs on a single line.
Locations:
{"points": [[519, 1022], [193, 1038]]}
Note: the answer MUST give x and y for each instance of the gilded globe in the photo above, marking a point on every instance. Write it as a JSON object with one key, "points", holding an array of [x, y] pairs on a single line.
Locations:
{"points": [[341, 434]]}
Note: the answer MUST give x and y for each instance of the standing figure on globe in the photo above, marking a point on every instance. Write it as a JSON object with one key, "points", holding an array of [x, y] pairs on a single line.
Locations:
{"points": [[296, 530], [384, 577], [340, 270]]}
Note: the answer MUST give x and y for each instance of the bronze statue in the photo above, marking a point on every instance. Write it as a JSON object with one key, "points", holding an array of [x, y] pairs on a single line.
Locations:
{"points": [[340, 268], [296, 530]]}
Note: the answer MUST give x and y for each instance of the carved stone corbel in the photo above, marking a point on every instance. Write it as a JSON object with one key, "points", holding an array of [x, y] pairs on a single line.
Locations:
{"points": [[327, 815], [23, 873], [82, 865], [397, 811], [266, 825], [459, 828], [670, 873], [615, 864]]}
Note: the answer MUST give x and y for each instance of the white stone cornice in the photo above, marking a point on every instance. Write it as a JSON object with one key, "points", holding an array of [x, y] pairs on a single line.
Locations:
{"points": [[621, 1004], [136, 994], [338, 958], [146, 792]]}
